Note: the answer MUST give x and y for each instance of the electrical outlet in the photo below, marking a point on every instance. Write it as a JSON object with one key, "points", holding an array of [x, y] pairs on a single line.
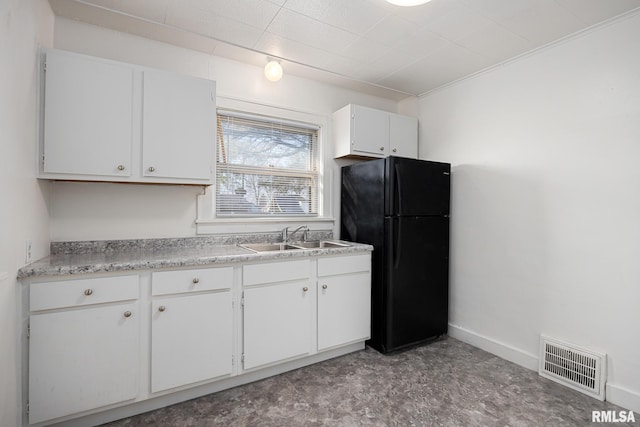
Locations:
{"points": [[27, 253]]}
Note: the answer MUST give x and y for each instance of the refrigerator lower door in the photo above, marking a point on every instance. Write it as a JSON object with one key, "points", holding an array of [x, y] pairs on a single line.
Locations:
{"points": [[417, 276]]}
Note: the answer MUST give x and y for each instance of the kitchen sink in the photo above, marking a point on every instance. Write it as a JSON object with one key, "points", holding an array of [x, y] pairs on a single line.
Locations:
{"points": [[319, 244], [269, 247], [276, 247]]}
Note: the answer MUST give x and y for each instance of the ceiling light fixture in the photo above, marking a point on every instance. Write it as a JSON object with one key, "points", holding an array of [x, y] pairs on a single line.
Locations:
{"points": [[273, 71], [408, 2]]}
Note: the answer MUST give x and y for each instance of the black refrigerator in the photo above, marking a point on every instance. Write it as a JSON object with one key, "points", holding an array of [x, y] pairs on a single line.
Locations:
{"points": [[401, 207]]}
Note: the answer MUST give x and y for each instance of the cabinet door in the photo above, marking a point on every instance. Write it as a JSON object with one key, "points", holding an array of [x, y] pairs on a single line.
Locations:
{"points": [[344, 309], [370, 131], [179, 126], [277, 322], [88, 116], [191, 339], [82, 359], [403, 136]]}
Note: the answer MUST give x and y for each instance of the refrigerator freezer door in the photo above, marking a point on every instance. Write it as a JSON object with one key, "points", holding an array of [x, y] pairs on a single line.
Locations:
{"points": [[417, 280], [416, 187]]}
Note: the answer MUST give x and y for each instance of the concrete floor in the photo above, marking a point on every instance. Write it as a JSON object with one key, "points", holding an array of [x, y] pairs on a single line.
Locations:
{"points": [[445, 383]]}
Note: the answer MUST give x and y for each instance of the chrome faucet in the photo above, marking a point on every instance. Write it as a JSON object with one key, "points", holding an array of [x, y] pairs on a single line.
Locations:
{"points": [[286, 236]]}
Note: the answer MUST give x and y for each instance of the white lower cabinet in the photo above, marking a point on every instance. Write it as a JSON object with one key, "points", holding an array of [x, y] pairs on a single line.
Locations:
{"points": [[277, 312], [191, 331], [277, 323], [191, 339], [109, 343], [82, 358], [344, 300]]}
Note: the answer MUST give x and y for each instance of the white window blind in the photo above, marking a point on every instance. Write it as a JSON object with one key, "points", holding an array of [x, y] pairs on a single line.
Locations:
{"points": [[265, 167]]}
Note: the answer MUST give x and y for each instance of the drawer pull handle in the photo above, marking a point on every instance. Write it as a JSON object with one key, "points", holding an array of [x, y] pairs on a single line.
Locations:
{"points": [[324, 286], [195, 280], [127, 313], [120, 167], [305, 289], [88, 292], [151, 169], [162, 308]]}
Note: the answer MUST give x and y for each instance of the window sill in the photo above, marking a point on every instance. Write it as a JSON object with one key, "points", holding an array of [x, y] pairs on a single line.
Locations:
{"points": [[256, 225]]}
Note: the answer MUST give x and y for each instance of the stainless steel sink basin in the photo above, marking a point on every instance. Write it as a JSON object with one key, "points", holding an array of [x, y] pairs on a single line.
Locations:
{"points": [[276, 247], [269, 247], [319, 244]]}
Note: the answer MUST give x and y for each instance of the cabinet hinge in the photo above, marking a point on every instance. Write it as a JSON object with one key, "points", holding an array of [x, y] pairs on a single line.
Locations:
{"points": [[28, 331], [27, 408], [45, 66], [242, 358], [242, 300], [233, 360]]}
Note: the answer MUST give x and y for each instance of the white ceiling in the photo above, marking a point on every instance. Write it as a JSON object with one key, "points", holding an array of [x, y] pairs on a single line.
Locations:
{"points": [[368, 45]]}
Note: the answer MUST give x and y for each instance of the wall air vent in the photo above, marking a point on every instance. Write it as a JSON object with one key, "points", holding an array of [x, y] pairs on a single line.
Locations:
{"points": [[577, 368]]}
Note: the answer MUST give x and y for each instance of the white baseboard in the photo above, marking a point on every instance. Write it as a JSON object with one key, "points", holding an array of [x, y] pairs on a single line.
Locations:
{"points": [[500, 349], [623, 397], [617, 395]]}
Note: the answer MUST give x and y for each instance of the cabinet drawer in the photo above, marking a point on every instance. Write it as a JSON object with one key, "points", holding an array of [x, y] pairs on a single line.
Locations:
{"points": [[69, 293], [344, 264], [275, 272], [203, 279]]}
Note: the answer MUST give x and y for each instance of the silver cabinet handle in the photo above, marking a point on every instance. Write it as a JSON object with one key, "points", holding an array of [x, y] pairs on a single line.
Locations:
{"points": [[381, 148], [395, 150], [196, 280], [151, 169], [127, 313], [162, 308], [120, 167], [88, 292], [324, 286], [305, 289]]}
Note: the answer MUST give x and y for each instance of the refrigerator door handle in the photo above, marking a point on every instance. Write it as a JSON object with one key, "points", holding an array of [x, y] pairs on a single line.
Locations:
{"points": [[398, 192], [397, 237]]}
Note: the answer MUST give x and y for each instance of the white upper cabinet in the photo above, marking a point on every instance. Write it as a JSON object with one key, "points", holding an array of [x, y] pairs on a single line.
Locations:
{"points": [[88, 126], [110, 121], [366, 132], [369, 129], [403, 136], [178, 126]]}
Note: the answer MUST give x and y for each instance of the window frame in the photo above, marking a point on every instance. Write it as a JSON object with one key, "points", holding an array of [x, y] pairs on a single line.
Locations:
{"points": [[312, 173], [207, 223]]}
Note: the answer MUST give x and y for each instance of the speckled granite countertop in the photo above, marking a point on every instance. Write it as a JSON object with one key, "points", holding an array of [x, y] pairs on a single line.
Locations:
{"points": [[114, 256]]}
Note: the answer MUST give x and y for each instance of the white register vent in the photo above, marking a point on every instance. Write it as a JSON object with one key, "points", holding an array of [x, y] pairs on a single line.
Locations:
{"points": [[575, 367]]}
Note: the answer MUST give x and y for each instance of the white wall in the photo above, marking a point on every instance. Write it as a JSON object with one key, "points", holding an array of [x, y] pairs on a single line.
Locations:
{"points": [[546, 201], [81, 211], [23, 211]]}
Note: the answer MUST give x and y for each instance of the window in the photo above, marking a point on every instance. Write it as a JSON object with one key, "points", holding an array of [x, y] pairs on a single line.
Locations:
{"points": [[265, 167]]}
